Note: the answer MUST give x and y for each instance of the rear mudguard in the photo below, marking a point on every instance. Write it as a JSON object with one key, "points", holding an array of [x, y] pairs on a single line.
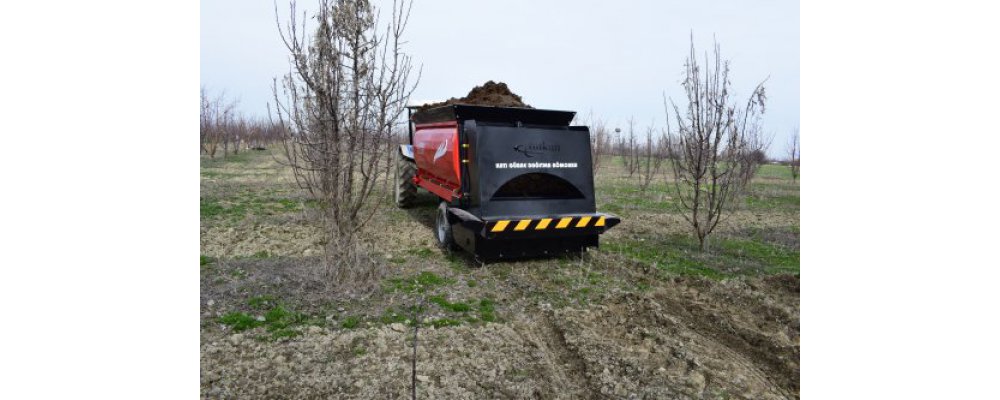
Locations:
{"points": [[406, 151]]}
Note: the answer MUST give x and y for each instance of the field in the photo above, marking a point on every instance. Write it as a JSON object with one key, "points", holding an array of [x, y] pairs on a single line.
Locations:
{"points": [[645, 316]]}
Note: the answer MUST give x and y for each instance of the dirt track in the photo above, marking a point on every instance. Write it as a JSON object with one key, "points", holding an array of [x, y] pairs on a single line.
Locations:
{"points": [[693, 338]]}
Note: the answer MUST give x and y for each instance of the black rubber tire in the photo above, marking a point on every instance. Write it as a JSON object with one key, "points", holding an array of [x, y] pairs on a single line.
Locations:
{"points": [[442, 228], [406, 190]]}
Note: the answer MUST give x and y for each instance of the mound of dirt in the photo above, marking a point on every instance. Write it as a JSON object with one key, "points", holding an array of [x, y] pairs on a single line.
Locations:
{"points": [[491, 94]]}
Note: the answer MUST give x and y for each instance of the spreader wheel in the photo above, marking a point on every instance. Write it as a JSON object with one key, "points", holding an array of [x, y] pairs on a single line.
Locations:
{"points": [[442, 228], [406, 190]]}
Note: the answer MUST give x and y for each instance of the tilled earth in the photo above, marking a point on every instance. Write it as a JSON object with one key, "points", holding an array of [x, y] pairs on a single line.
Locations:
{"points": [[689, 339]]}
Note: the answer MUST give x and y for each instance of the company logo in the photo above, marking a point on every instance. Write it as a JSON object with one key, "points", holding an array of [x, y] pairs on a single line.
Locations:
{"points": [[533, 149], [441, 150]]}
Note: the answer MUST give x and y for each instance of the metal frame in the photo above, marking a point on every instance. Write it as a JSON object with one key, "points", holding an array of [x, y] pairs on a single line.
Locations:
{"points": [[522, 236]]}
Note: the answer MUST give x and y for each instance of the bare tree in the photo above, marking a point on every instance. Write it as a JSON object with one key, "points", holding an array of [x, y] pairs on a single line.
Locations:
{"points": [[754, 152], [205, 122], [222, 125], [793, 154], [217, 115], [600, 141], [633, 146], [710, 136], [652, 155], [628, 149], [600, 138], [348, 86]]}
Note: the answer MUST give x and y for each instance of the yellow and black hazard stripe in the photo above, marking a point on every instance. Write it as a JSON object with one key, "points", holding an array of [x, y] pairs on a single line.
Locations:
{"points": [[543, 224]]}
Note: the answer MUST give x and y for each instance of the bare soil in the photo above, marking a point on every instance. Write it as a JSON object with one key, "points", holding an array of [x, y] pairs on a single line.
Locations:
{"points": [[616, 322], [692, 339], [489, 94]]}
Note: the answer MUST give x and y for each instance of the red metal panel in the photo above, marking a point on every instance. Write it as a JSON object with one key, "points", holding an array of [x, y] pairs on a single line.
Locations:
{"points": [[435, 150]]}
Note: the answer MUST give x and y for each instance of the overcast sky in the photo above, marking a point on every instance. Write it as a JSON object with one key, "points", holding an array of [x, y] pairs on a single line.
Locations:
{"points": [[615, 59]]}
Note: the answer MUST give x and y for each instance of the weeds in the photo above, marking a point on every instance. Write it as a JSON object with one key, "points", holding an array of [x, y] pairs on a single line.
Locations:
{"points": [[350, 322], [418, 284], [777, 202], [280, 317], [238, 273], [247, 203], [486, 310], [774, 172], [261, 254], [456, 262], [677, 254], [261, 302], [422, 252], [390, 316], [284, 333], [397, 260], [453, 307], [279, 321], [776, 259], [240, 321]]}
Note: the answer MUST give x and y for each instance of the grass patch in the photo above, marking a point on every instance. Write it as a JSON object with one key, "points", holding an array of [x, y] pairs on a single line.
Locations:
{"points": [[446, 305], [456, 262], [482, 311], [443, 322], [280, 321], [220, 158], [673, 254], [211, 208], [760, 201], [397, 260], [262, 302], [620, 197], [417, 284], [422, 252], [392, 317], [280, 318], [285, 333], [775, 172], [240, 321], [679, 255], [776, 259], [595, 278], [350, 322], [487, 310], [238, 273], [205, 260], [246, 203], [611, 208], [261, 254]]}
